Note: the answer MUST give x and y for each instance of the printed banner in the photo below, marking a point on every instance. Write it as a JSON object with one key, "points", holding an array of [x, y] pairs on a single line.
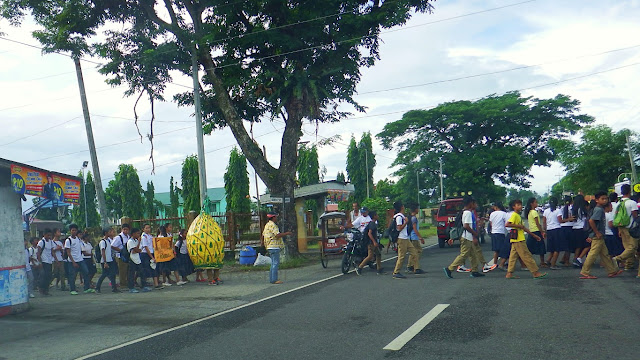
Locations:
{"points": [[163, 249], [28, 181]]}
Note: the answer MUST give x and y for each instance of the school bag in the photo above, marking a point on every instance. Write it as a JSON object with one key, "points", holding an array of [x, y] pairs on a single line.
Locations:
{"points": [[634, 230], [621, 218], [455, 232], [393, 230], [124, 252], [98, 251]]}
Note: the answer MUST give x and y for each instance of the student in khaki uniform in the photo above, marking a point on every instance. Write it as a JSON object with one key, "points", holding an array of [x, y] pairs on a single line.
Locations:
{"points": [[469, 243], [598, 224], [519, 249]]}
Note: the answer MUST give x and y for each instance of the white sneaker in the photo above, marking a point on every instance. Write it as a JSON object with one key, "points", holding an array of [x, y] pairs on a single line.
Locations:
{"points": [[462, 269], [167, 284], [488, 268], [181, 282]]}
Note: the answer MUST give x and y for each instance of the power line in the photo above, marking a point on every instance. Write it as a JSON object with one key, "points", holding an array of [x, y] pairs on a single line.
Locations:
{"points": [[499, 71], [110, 145], [39, 132], [207, 152]]}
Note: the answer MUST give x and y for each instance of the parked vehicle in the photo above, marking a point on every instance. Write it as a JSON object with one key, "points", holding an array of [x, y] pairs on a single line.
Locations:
{"points": [[446, 218]]}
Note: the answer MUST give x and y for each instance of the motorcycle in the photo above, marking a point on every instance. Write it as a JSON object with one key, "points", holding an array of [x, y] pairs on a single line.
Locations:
{"points": [[355, 251]]}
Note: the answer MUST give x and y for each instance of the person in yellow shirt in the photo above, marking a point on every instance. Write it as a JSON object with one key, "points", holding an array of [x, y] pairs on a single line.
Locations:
{"points": [[274, 244], [536, 247], [518, 245]]}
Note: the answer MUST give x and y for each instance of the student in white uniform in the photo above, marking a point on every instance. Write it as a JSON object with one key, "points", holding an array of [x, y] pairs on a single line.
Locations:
{"points": [[73, 247], [107, 261]]}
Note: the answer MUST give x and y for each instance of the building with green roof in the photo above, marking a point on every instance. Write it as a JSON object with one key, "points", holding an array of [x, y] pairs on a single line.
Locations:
{"points": [[217, 202]]}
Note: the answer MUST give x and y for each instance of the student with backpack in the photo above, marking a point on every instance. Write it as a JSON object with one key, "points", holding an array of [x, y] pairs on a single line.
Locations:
{"points": [[45, 256], [106, 260], [468, 240], [402, 227], [119, 244], [58, 260], [626, 212], [597, 227], [87, 255], [73, 247], [373, 246], [135, 263], [416, 242]]}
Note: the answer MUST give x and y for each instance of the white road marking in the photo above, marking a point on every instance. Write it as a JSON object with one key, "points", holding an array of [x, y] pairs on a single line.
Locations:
{"points": [[411, 332], [213, 316]]}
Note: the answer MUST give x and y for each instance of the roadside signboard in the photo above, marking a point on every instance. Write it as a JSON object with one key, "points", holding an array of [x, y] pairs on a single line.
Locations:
{"points": [[29, 181]]}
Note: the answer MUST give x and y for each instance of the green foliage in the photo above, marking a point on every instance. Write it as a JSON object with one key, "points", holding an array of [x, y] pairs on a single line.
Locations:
{"points": [[386, 189], [494, 139], [174, 198], [190, 185], [78, 211], [594, 162], [151, 205], [124, 194], [236, 184], [380, 206], [360, 164], [308, 168], [341, 178], [522, 194]]}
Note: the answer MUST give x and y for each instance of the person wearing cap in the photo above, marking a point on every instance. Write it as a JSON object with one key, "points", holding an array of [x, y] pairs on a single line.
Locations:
{"points": [[362, 222], [274, 244]]}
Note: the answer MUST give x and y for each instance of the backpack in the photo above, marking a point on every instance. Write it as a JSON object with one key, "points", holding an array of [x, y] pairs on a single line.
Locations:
{"points": [[393, 230], [455, 232], [124, 251], [621, 218], [634, 230], [98, 252]]}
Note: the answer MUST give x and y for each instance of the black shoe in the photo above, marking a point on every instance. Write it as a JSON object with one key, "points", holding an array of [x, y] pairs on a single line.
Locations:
{"points": [[418, 271], [476, 274], [381, 272], [410, 269], [447, 272], [116, 291], [358, 271]]}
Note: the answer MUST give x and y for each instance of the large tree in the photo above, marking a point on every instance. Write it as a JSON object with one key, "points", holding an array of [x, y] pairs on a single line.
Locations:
{"points": [[236, 183], [594, 162], [495, 139], [190, 185], [262, 59], [124, 193], [78, 211], [308, 167], [151, 205], [360, 164]]}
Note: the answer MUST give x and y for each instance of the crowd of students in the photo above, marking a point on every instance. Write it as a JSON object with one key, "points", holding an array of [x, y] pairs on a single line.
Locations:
{"points": [[126, 259], [585, 229]]}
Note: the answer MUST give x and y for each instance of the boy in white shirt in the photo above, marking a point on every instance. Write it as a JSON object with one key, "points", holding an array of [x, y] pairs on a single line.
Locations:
{"points": [[404, 244], [135, 263], [73, 247], [630, 243], [146, 256], [468, 242], [45, 256], [107, 261]]}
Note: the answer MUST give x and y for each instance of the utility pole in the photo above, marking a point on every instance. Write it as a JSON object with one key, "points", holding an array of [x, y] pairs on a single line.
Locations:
{"points": [[634, 176], [84, 187], [202, 168], [92, 146], [441, 182]]}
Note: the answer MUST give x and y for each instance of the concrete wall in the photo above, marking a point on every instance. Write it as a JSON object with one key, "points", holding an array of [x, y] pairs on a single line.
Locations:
{"points": [[13, 280]]}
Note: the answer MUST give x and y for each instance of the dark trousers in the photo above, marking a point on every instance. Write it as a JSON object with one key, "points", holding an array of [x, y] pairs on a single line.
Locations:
{"points": [[109, 272], [134, 271], [45, 279], [82, 268]]}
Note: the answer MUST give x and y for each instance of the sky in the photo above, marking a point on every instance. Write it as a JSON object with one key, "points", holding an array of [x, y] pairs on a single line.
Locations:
{"points": [[585, 49]]}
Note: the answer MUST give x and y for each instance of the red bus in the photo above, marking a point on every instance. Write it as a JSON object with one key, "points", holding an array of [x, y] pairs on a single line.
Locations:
{"points": [[446, 217]]}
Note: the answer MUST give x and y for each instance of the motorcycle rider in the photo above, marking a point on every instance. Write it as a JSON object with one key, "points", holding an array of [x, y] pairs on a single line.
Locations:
{"points": [[362, 222], [371, 233]]}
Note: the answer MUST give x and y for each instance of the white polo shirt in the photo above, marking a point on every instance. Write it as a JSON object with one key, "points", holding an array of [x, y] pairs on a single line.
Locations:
{"points": [[147, 240], [135, 257], [75, 244], [46, 246], [118, 242], [105, 244]]}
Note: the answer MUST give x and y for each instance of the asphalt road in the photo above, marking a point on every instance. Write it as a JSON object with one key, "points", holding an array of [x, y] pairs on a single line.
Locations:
{"points": [[351, 316]]}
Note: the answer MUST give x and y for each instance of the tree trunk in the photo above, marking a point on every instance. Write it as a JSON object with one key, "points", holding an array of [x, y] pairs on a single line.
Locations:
{"points": [[287, 219]]}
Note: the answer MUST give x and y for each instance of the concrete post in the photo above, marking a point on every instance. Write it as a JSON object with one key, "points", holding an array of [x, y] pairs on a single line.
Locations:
{"points": [[14, 294]]}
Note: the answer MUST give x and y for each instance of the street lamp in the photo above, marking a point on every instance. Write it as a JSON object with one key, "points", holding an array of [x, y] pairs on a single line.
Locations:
{"points": [[84, 186]]}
